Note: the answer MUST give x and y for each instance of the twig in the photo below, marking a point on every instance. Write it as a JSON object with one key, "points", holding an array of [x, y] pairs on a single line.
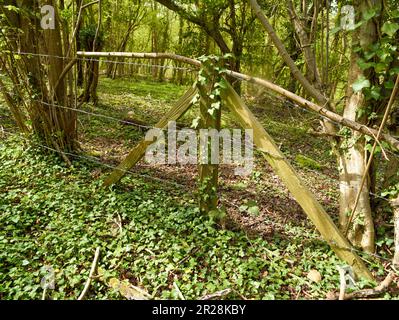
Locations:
{"points": [[368, 293], [217, 294], [119, 223], [179, 293], [91, 274], [379, 143], [44, 293]]}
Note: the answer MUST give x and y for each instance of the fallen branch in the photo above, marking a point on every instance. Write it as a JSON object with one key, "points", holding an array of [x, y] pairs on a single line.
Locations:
{"points": [[366, 293], [91, 274], [179, 293], [217, 294]]}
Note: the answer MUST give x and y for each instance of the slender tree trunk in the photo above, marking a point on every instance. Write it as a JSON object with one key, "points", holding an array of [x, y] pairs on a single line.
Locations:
{"points": [[352, 163]]}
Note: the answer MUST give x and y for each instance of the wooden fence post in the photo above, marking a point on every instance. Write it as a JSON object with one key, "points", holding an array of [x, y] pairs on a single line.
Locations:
{"points": [[210, 119], [293, 182]]}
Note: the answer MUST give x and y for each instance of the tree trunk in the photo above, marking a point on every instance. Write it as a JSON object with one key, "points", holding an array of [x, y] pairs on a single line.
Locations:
{"points": [[352, 162], [55, 127]]}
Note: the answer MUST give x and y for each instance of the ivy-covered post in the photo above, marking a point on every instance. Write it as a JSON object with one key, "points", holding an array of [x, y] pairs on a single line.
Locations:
{"points": [[209, 86]]}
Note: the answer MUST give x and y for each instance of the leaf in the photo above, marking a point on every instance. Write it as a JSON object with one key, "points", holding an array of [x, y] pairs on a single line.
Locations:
{"points": [[222, 84], [364, 65], [380, 67], [196, 122], [369, 14], [370, 54], [360, 84], [389, 84], [395, 13], [314, 276], [25, 262], [216, 105], [251, 203], [375, 93], [394, 71], [127, 290], [390, 28], [254, 210]]}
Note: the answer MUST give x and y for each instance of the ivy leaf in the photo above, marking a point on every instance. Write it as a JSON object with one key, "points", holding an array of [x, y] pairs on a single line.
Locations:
{"points": [[254, 210], [380, 67], [395, 13], [216, 105], [390, 28], [202, 80], [196, 122], [375, 93], [394, 71], [364, 65], [389, 84], [195, 99], [360, 84], [221, 84], [369, 14], [211, 112]]}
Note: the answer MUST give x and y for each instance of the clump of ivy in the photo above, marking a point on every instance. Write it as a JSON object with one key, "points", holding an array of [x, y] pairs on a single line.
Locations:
{"points": [[380, 60], [56, 216], [213, 72], [87, 36], [210, 84]]}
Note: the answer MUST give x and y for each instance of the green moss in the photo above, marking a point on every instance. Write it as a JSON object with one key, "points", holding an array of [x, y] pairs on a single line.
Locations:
{"points": [[305, 162]]}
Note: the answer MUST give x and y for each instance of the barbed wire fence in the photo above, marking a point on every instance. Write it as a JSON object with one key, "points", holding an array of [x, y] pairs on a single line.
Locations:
{"points": [[285, 102]]}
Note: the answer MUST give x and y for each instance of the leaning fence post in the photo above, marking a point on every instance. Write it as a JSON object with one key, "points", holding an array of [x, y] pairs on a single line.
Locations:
{"points": [[210, 109]]}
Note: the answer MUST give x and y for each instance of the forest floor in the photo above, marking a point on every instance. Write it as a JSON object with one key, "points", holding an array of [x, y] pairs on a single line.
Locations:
{"points": [[148, 226]]}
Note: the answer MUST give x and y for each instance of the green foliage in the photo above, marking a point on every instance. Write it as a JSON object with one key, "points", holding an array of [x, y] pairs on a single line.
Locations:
{"points": [[306, 162], [390, 28], [250, 207], [87, 36], [380, 58], [56, 216], [360, 84]]}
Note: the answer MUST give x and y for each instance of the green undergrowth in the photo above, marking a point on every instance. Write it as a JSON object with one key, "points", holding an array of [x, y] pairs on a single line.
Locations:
{"points": [[150, 234], [55, 216]]}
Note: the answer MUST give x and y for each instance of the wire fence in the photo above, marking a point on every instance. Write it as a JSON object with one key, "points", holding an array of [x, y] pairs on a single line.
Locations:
{"points": [[285, 102], [276, 96], [116, 62]]}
